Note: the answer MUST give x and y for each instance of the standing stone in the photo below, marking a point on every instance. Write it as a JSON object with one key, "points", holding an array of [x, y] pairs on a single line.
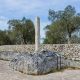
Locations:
{"points": [[37, 33]]}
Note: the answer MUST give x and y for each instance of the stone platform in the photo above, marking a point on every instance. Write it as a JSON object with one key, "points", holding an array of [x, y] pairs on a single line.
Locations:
{"points": [[38, 63]]}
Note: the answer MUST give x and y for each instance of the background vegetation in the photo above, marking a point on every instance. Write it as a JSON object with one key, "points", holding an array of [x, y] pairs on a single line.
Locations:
{"points": [[63, 29], [63, 26], [19, 32]]}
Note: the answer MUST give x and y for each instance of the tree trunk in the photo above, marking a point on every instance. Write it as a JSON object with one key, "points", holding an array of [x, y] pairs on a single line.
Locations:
{"points": [[69, 41], [69, 38]]}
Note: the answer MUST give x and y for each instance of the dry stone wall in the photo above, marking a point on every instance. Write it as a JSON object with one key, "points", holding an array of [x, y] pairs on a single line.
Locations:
{"points": [[70, 51]]}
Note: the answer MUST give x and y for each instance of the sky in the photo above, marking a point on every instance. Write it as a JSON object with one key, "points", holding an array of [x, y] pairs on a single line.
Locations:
{"points": [[17, 9]]}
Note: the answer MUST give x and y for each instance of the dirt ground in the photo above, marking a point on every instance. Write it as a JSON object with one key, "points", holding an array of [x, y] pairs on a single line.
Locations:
{"points": [[6, 73]]}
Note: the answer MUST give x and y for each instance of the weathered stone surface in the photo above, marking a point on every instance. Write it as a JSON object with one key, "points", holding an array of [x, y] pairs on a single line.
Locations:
{"points": [[74, 63], [8, 55], [6, 73], [40, 62]]}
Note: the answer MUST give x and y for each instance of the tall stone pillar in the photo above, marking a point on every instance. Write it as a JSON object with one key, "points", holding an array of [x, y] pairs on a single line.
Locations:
{"points": [[37, 33]]}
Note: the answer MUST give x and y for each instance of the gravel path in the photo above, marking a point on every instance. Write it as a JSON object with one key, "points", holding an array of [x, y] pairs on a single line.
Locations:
{"points": [[6, 73]]}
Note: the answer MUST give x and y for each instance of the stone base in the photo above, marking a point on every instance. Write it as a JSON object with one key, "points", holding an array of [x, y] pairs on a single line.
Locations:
{"points": [[37, 63]]}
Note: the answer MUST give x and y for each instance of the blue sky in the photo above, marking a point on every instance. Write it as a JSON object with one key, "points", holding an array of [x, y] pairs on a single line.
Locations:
{"points": [[16, 9]]}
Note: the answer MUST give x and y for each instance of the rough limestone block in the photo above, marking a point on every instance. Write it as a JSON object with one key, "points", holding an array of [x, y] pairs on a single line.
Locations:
{"points": [[36, 63], [8, 55]]}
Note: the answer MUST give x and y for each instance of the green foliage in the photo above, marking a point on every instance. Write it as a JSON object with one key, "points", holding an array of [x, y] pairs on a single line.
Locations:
{"points": [[75, 39], [21, 31], [4, 39], [63, 24]]}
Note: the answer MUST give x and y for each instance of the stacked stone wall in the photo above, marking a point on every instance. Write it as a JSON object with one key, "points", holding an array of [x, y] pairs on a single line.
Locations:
{"points": [[71, 51]]}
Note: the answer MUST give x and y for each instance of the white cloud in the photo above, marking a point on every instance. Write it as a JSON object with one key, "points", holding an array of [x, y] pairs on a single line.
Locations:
{"points": [[3, 22], [27, 6], [30, 7]]}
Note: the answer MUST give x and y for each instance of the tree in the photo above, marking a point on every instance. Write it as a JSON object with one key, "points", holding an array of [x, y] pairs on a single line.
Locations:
{"points": [[66, 22], [21, 31], [55, 34], [75, 39], [4, 39]]}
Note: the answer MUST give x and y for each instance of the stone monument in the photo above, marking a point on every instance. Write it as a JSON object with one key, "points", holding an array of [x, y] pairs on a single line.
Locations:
{"points": [[38, 62], [37, 33]]}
